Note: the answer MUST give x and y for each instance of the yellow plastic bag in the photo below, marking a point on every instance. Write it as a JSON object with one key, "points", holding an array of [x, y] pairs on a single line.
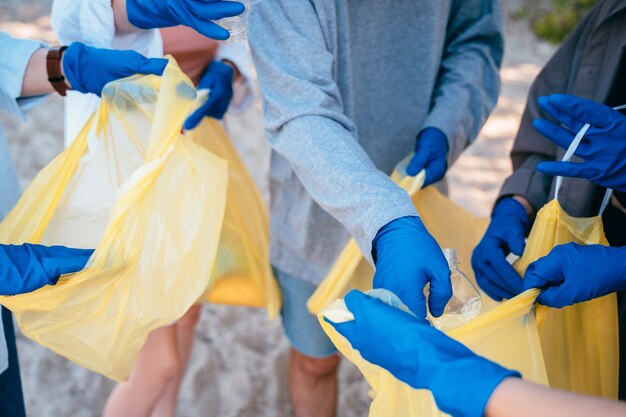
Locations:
{"points": [[242, 273], [507, 335], [580, 342], [148, 199], [449, 224]]}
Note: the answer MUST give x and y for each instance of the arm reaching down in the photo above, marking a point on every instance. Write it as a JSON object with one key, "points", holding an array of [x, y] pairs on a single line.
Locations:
{"points": [[306, 124], [462, 383]]}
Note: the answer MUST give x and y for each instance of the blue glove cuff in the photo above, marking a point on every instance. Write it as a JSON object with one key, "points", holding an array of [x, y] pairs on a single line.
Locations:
{"points": [[410, 222], [141, 16], [434, 132], [471, 400], [222, 68], [72, 66], [508, 206]]}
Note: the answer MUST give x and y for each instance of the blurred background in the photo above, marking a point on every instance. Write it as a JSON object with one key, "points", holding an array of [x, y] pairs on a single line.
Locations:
{"points": [[239, 363]]}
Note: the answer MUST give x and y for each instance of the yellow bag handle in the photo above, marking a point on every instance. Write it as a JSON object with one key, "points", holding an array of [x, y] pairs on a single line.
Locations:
{"points": [[410, 184]]}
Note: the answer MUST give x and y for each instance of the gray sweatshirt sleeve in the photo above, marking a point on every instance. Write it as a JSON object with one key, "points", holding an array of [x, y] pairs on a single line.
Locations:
{"points": [[468, 82], [306, 124]]}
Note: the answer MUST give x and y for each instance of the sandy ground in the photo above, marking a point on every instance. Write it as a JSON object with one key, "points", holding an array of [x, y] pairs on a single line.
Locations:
{"points": [[239, 363]]}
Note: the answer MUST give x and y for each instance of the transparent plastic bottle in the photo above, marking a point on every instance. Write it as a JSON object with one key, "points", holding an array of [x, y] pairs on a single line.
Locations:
{"points": [[466, 302], [389, 298], [237, 25]]}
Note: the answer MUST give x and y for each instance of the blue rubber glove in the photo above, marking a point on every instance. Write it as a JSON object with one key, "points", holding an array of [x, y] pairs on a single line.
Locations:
{"points": [[89, 69], [421, 356], [431, 154], [197, 14], [574, 273], [407, 258], [26, 268], [505, 234], [603, 147], [218, 79]]}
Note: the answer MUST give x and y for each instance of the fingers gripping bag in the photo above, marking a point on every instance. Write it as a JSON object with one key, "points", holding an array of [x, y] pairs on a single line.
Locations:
{"points": [[580, 342], [507, 334], [242, 274], [148, 199], [449, 224]]}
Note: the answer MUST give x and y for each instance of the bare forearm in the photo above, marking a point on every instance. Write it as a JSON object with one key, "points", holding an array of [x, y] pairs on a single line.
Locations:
{"points": [[526, 204], [36, 76], [122, 25], [36, 81], [518, 398]]}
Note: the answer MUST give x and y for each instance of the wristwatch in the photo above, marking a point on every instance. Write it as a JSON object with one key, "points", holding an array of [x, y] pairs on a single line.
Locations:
{"points": [[53, 64]]}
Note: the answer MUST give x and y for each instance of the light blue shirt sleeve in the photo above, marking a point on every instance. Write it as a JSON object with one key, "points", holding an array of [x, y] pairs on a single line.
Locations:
{"points": [[15, 54]]}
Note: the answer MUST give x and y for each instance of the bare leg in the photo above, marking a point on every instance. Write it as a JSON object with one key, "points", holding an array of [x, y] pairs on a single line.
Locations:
{"points": [[313, 385], [185, 331], [156, 365]]}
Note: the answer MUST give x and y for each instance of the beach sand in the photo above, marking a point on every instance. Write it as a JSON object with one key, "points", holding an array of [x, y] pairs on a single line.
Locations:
{"points": [[239, 362]]}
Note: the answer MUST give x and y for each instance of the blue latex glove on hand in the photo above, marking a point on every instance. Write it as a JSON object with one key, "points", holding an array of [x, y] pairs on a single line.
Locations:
{"points": [[431, 154], [603, 147], [574, 273], [26, 268], [197, 14], [218, 79], [421, 356], [407, 258], [89, 69], [505, 234]]}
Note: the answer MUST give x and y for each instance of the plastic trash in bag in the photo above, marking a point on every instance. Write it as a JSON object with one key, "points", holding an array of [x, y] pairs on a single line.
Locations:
{"points": [[580, 342], [449, 224], [148, 199], [465, 303], [242, 274], [507, 335]]}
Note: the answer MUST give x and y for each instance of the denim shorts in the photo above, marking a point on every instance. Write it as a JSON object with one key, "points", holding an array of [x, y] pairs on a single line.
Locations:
{"points": [[301, 327]]}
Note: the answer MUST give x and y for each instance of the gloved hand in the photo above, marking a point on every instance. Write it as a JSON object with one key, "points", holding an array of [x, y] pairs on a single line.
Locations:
{"points": [[603, 147], [218, 79], [26, 268], [421, 356], [407, 258], [197, 14], [574, 273], [89, 69], [431, 153], [505, 234]]}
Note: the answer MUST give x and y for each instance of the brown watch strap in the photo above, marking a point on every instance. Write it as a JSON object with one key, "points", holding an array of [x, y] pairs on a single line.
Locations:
{"points": [[53, 64]]}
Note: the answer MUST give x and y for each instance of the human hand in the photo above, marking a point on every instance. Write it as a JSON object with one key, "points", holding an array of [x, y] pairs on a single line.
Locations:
{"points": [[26, 268], [431, 152], [407, 258], [421, 356], [197, 14], [574, 273], [218, 79], [505, 234], [603, 146], [89, 69]]}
